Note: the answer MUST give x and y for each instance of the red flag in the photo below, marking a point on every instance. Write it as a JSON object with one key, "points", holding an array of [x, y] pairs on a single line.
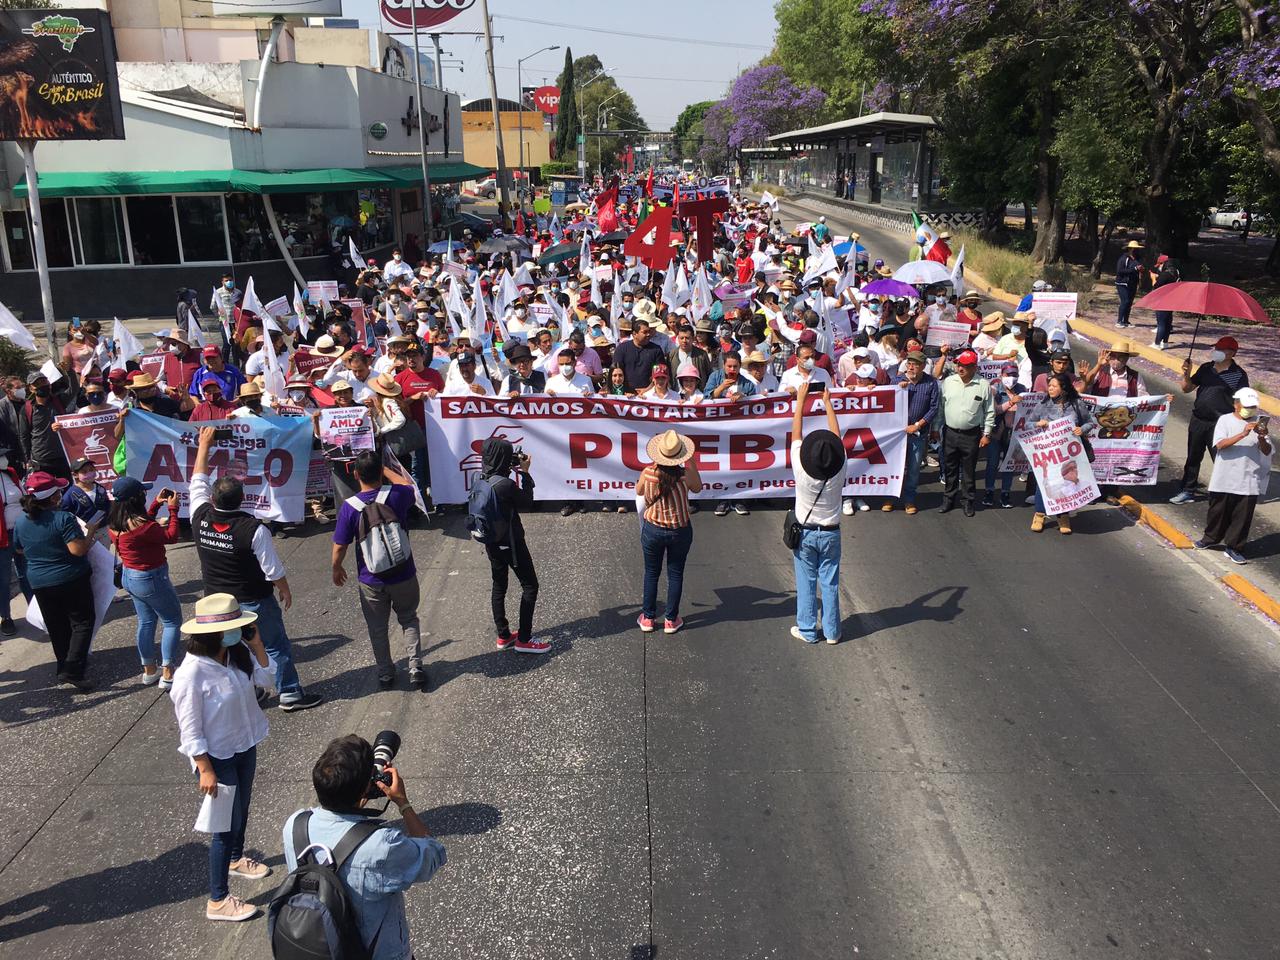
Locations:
{"points": [[520, 223], [675, 196], [607, 208], [939, 252], [648, 184]]}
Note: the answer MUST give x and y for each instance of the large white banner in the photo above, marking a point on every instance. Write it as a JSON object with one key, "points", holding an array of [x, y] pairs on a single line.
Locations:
{"points": [[593, 448], [1060, 464]]}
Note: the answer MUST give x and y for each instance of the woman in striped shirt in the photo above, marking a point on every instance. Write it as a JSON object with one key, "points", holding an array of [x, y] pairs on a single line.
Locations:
{"points": [[665, 528]]}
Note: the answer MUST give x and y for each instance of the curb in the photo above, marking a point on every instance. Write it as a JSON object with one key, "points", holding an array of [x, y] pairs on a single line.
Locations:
{"points": [[1159, 524], [1247, 591]]}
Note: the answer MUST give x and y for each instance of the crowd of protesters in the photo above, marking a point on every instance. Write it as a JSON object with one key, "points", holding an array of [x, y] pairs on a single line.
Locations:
{"points": [[789, 317]]}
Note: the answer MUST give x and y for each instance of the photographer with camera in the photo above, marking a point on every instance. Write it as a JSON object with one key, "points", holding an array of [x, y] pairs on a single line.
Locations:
{"points": [[372, 863], [493, 516]]}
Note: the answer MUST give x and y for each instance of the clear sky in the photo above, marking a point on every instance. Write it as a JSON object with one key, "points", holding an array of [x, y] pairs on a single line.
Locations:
{"points": [[662, 75]]}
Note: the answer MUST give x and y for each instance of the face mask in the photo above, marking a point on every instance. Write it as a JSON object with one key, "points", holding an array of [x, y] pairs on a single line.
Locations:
{"points": [[1008, 382], [77, 335], [873, 307], [231, 637], [1017, 331], [1217, 356], [43, 392], [230, 284], [95, 398], [566, 370], [175, 349], [298, 396], [807, 364], [21, 393], [88, 477], [397, 257], [939, 299], [4, 462], [1248, 413], [521, 312]]}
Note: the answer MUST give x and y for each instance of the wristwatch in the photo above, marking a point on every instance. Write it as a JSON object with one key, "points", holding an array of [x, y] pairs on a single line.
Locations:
{"points": [[402, 807]]}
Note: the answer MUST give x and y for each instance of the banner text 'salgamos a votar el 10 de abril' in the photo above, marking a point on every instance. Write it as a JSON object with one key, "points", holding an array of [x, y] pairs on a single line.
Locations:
{"points": [[593, 448], [58, 76]]}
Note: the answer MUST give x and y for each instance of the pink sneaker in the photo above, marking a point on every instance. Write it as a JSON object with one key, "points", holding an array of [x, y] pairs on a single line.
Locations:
{"points": [[533, 646], [644, 623], [505, 640], [672, 626]]}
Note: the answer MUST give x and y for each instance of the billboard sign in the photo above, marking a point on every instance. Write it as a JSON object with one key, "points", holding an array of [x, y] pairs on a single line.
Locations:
{"points": [[428, 13], [59, 76], [547, 99]]}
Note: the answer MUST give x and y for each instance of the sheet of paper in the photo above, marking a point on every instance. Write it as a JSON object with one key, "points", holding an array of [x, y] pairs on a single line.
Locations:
{"points": [[215, 812], [50, 370]]}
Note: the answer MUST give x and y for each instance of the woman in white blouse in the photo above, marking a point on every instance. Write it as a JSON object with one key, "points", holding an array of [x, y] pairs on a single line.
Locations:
{"points": [[220, 725], [385, 404]]}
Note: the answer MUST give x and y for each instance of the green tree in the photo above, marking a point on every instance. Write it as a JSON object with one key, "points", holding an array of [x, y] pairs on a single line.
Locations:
{"points": [[568, 125], [686, 132]]}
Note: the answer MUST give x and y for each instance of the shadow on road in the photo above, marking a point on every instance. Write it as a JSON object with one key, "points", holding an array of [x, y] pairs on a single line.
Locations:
{"points": [[922, 609]]}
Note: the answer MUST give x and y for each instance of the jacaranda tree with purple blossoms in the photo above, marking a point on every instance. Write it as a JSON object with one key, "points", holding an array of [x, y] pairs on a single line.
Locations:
{"points": [[762, 102]]}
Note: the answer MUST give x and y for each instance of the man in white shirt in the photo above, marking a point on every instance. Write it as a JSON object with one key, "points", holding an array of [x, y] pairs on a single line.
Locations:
{"points": [[1241, 470], [396, 270], [467, 380], [354, 368], [819, 463], [804, 372], [566, 381], [256, 365], [756, 368]]}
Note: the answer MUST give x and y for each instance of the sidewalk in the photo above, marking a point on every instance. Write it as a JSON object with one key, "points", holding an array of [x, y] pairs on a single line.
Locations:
{"points": [[1258, 582]]}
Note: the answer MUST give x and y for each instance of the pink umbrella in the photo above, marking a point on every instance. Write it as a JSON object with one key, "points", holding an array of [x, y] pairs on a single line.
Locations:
{"points": [[1213, 299]]}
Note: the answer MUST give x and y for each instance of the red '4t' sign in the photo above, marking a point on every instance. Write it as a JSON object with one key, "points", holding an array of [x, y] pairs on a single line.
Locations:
{"points": [[702, 213], [547, 99], [658, 253]]}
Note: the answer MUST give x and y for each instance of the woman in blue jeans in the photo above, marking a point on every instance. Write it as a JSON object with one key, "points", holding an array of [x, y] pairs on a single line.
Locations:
{"points": [[665, 528], [140, 543], [220, 726]]}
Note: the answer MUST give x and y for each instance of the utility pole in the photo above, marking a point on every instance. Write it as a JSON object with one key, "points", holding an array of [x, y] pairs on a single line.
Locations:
{"points": [[422, 131], [504, 194], [37, 237]]}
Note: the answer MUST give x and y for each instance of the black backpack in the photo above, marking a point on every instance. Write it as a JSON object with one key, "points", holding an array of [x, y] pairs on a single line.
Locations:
{"points": [[311, 916], [485, 519]]}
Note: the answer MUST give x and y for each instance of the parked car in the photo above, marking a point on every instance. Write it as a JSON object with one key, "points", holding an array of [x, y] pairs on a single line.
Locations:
{"points": [[487, 188], [1233, 216]]}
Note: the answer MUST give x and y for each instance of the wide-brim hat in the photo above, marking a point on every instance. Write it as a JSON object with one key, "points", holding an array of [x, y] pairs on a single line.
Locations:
{"points": [[142, 381], [1124, 346], [993, 321], [385, 385], [326, 346], [1133, 245], [645, 310], [971, 295], [669, 449], [177, 335], [250, 389], [884, 271], [216, 613], [822, 455]]}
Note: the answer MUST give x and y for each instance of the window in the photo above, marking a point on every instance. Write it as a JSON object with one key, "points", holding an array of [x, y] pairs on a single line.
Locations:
{"points": [[100, 230], [152, 230], [17, 233], [57, 233], [376, 221], [203, 230], [250, 235]]}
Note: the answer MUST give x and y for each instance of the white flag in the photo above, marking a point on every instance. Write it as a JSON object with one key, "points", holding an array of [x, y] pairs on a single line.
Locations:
{"points": [[669, 285], [813, 244], [823, 262], [300, 309], [596, 296], [128, 347], [957, 273], [455, 306], [615, 313], [770, 199], [479, 322], [356, 259], [849, 278], [557, 231], [273, 379], [523, 278], [702, 299], [15, 331], [507, 292], [683, 290], [194, 336], [251, 302], [584, 255], [393, 325]]}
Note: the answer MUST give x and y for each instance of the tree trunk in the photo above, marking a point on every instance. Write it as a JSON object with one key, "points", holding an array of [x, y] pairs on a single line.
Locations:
{"points": [[1050, 218], [1089, 228], [1052, 231], [1028, 222], [1273, 261], [1100, 254]]}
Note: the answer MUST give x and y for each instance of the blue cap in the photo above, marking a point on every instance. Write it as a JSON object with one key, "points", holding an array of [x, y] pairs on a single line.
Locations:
{"points": [[126, 488]]}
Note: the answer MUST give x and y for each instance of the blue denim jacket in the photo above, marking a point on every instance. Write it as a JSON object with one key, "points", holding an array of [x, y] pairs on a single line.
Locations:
{"points": [[376, 875]]}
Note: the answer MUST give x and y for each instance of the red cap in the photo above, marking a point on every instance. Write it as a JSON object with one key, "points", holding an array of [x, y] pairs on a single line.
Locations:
{"points": [[1163, 258], [1227, 343], [967, 358], [808, 337], [209, 351], [42, 485], [118, 374], [133, 375]]}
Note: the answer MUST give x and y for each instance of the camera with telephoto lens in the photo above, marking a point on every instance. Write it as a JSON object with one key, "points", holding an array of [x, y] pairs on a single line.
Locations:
{"points": [[385, 747]]}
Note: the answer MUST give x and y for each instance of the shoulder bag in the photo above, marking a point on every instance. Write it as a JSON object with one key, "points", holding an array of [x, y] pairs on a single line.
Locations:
{"points": [[792, 527]]}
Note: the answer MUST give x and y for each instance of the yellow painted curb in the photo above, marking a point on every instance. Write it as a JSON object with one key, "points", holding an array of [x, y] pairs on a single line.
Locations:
{"points": [[1252, 594], [1157, 523]]}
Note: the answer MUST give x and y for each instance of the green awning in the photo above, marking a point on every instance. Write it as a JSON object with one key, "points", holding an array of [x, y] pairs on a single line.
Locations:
{"points": [[113, 184]]}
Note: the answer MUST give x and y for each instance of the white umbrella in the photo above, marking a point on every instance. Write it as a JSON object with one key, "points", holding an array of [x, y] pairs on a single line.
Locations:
{"points": [[923, 273]]}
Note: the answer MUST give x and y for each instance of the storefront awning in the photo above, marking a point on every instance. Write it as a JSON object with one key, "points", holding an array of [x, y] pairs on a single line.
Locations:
{"points": [[113, 184]]}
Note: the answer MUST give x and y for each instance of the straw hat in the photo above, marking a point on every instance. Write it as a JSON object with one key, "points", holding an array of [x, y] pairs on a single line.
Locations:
{"points": [[385, 385], [142, 381], [250, 389], [342, 386], [971, 296], [1133, 245], [1124, 346], [755, 356], [326, 346], [216, 613], [669, 449], [646, 311], [177, 335], [993, 321], [884, 272]]}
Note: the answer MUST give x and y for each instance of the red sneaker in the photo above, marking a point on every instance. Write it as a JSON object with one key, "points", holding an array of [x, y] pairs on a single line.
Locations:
{"points": [[672, 626], [645, 623], [532, 646], [505, 640]]}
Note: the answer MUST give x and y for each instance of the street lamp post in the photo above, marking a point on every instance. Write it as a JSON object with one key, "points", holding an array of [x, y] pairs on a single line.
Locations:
{"points": [[582, 159], [520, 97], [599, 143]]}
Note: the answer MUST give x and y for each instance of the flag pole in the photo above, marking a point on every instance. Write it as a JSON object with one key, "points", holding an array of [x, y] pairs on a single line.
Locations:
{"points": [[37, 241]]}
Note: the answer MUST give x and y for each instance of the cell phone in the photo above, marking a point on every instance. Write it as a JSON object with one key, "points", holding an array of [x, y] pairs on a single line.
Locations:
{"points": [[164, 494], [221, 433], [1264, 423]]}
